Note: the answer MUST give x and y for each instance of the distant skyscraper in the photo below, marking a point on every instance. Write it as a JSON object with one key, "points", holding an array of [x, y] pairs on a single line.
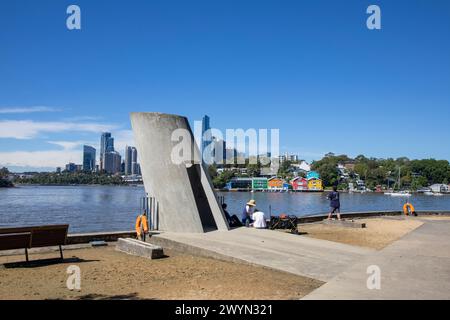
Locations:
{"points": [[88, 158], [106, 145], [206, 135], [134, 164], [220, 151], [103, 143], [112, 162], [131, 165], [71, 167], [128, 156]]}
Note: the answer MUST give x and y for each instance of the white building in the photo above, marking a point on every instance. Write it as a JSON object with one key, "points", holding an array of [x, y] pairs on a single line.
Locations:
{"points": [[439, 187]]}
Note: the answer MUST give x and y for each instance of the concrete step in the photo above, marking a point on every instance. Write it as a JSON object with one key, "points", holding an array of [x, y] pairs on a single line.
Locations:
{"points": [[139, 248], [314, 258]]}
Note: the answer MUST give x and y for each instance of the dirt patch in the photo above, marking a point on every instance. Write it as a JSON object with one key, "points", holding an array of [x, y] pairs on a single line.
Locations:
{"points": [[108, 274], [378, 233]]}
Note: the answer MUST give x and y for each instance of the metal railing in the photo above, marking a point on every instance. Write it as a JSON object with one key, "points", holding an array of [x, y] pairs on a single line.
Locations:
{"points": [[150, 206]]}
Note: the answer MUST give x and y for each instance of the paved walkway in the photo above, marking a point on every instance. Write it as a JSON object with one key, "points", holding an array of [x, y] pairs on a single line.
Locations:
{"points": [[415, 267], [314, 258]]}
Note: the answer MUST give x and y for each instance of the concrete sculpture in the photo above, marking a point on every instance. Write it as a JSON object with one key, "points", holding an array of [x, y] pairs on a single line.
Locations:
{"points": [[184, 191]]}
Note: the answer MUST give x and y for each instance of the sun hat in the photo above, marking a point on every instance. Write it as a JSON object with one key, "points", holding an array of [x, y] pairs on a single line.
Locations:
{"points": [[251, 203]]}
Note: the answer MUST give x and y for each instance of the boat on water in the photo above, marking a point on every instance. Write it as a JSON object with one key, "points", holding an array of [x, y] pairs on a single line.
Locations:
{"points": [[431, 193], [398, 193]]}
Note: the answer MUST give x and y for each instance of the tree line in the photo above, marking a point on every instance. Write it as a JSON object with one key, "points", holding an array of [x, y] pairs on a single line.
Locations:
{"points": [[414, 174], [68, 178]]}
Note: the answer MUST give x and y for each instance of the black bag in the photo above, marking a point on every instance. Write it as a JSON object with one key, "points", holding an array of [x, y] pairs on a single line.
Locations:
{"points": [[235, 222]]}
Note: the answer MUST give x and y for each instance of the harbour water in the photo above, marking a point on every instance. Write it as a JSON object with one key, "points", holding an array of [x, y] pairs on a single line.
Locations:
{"points": [[114, 208]]}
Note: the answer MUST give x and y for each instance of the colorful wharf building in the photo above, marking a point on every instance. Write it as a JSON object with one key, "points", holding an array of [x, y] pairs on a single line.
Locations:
{"points": [[312, 183]]}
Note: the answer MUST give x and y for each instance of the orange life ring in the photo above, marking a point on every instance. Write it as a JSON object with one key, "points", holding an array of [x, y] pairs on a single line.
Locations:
{"points": [[408, 208], [141, 224]]}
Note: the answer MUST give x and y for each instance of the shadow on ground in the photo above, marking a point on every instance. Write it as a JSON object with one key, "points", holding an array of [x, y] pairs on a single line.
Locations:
{"points": [[93, 296], [44, 262]]}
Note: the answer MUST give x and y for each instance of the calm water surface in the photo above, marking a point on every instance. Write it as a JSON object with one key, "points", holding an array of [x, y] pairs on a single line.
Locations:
{"points": [[112, 208]]}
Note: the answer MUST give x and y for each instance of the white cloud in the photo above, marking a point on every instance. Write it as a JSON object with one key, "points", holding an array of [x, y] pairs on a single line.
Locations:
{"points": [[71, 151], [70, 145], [53, 158], [28, 129], [28, 109]]}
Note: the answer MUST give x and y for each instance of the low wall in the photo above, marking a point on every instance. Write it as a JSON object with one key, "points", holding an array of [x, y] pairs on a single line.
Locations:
{"points": [[78, 238], [369, 214]]}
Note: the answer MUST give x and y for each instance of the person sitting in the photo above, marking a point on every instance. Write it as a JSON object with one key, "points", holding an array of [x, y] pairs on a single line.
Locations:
{"points": [[259, 219], [233, 221], [247, 213]]}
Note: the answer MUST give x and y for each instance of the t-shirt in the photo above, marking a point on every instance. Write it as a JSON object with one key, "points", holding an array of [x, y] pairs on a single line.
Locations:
{"points": [[334, 199], [259, 220], [248, 211]]}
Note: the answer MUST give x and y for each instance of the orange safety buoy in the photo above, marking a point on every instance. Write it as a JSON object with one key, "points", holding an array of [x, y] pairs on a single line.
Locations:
{"points": [[141, 224], [408, 208]]}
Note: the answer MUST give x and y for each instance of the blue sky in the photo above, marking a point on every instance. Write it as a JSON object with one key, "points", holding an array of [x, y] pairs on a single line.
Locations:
{"points": [[310, 68]]}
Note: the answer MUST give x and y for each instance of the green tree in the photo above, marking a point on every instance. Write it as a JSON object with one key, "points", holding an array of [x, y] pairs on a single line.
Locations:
{"points": [[4, 181]]}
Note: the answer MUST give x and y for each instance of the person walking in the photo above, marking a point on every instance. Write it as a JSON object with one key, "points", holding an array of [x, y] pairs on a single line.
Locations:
{"points": [[335, 203], [248, 212]]}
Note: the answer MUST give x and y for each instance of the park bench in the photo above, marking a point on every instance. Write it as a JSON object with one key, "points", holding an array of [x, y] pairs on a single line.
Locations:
{"points": [[33, 237]]}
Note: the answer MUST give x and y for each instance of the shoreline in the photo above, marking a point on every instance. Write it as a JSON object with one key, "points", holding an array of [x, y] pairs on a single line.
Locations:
{"points": [[112, 236]]}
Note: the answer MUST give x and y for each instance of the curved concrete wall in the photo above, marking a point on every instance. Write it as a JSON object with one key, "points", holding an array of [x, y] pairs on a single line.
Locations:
{"points": [[184, 192]]}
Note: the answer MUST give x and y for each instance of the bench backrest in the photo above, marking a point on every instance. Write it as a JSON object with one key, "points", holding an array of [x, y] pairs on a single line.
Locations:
{"points": [[48, 236], [15, 241], [40, 236]]}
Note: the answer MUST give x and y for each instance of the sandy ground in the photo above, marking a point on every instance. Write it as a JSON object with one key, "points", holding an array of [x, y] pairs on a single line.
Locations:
{"points": [[108, 274], [378, 233]]}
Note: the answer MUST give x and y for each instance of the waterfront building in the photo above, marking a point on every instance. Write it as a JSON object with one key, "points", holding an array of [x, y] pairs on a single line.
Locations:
{"points": [[299, 184], [314, 181], [276, 184], [259, 184], [89, 158], [439, 188], [312, 175], [112, 162], [315, 185], [58, 169], [240, 183]]}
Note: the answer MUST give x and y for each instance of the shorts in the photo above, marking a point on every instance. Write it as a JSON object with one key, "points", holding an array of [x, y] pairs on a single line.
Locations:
{"points": [[334, 209]]}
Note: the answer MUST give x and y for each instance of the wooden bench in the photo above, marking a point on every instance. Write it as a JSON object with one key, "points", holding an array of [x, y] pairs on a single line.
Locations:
{"points": [[33, 237]]}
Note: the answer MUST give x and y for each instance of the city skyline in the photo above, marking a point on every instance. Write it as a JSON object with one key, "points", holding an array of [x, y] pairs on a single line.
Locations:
{"points": [[311, 69]]}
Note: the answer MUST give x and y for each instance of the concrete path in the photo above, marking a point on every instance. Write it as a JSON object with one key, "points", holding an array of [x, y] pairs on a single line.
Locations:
{"points": [[415, 267], [314, 258]]}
